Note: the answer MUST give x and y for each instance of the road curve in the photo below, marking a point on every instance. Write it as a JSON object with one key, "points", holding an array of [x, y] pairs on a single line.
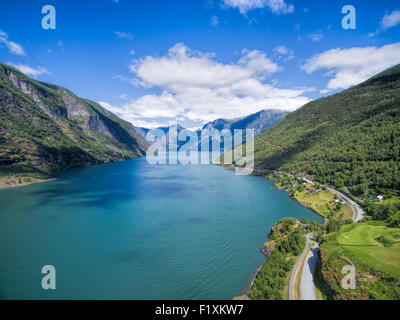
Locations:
{"points": [[359, 213]]}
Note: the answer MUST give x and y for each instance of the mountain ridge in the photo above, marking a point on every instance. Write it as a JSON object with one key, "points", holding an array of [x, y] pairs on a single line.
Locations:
{"points": [[350, 139], [45, 128], [259, 121]]}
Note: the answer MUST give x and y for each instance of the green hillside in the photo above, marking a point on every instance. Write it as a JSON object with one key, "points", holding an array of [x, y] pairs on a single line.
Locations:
{"points": [[349, 139], [44, 128], [373, 249]]}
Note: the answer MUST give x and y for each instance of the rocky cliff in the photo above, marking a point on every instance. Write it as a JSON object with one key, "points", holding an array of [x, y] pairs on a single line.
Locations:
{"points": [[44, 128]]}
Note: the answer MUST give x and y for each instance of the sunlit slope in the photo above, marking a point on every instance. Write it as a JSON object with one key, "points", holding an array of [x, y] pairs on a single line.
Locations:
{"points": [[44, 127], [351, 138]]}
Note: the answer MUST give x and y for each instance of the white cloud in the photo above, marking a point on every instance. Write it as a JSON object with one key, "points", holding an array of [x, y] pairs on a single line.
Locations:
{"points": [[276, 6], [283, 53], [148, 124], [316, 37], [12, 46], [198, 88], [388, 21], [348, 67], [29, 71], [214, 21], [257, 62], [127, 115], [124, 35]]}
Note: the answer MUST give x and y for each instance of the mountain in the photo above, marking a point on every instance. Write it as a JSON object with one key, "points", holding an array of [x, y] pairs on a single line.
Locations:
{"points": [[143, 132], [348, 139], [259, 121], [44, 128]]}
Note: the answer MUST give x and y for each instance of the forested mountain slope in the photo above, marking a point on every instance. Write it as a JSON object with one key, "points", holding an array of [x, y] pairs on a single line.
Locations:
{"points": [[44, 127], [348, 139]]}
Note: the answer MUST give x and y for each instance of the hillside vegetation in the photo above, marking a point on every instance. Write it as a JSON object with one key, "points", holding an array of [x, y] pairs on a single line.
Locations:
{"points": [[285, 242], [349, 139], [44, 128], [373, 249]]}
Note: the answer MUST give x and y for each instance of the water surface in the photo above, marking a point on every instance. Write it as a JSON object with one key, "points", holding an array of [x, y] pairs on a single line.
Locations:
{"points": [[129, 230]]}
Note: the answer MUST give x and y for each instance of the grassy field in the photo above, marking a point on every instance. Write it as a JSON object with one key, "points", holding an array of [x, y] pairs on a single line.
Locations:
{"points": [[361, 241], [13, 181], [392, 201], [323, 203], [377, 266]]}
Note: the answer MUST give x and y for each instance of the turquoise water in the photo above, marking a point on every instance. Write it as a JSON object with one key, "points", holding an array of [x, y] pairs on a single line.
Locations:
{"points": [[129, 230]]}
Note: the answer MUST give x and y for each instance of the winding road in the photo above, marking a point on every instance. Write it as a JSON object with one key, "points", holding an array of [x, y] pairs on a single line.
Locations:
{"points": [[358, 212], [307, 279]]}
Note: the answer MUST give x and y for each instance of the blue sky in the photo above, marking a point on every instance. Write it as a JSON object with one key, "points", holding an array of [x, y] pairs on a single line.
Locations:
{"points": [[152, 61]]}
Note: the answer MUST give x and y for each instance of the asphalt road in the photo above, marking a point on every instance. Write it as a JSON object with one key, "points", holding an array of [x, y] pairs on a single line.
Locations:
{"points": [[296, 267], [359, 213], [307, 283]]}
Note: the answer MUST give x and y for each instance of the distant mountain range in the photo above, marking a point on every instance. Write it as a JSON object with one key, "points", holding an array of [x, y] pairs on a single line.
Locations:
{"points": [[259, 121], [349, 139], [44, 128]]}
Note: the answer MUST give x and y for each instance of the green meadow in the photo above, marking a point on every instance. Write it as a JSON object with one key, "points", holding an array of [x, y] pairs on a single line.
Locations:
{"points": [[373, 243]]}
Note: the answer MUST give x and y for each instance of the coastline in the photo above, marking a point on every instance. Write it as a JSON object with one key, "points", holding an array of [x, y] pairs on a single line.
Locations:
{"points": [[255, 274], [292, 197], [313, 210], [253, 278], [4, 187]]}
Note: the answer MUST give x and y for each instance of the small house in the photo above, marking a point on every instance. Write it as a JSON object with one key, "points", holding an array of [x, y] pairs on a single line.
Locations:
{"points": [[304, 225]]}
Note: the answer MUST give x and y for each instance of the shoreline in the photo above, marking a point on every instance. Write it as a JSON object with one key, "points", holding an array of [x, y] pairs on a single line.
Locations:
{"points": [[25, 184], [313, 210], [254, 275], [253, 278], [3, 187], [298, 201]]}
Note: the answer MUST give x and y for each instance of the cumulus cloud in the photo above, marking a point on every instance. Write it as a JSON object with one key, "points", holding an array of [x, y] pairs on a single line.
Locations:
{"points": [[196, 87], [276, 6], [130, 116], [12, 46], [348, 67], [29, 71]]}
